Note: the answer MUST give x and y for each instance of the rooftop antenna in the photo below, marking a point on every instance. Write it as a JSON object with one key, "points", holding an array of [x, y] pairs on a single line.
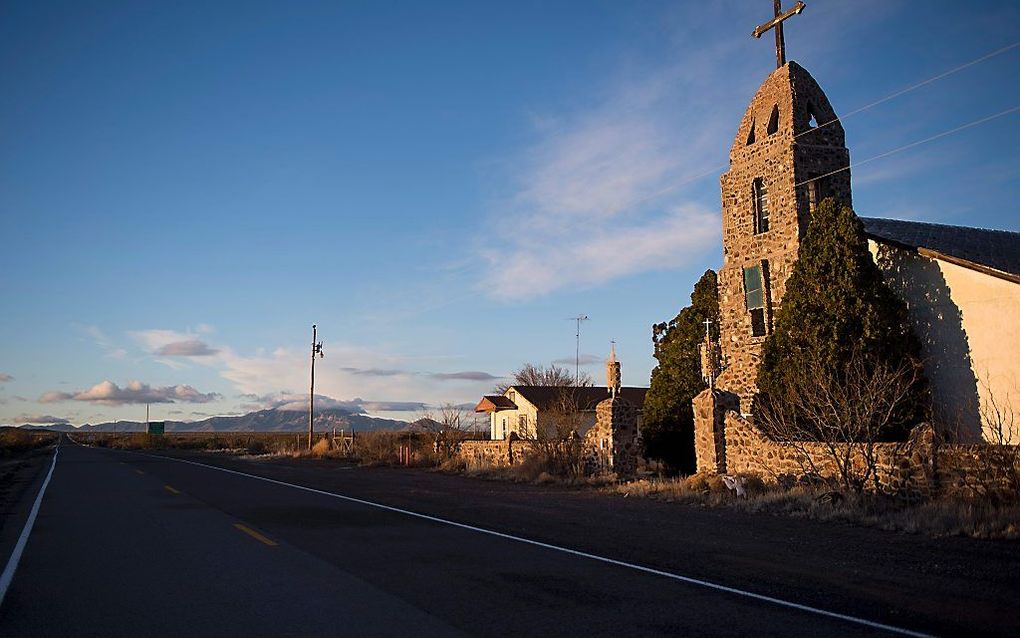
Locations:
{"points": [[316, 350], [577, 347]]}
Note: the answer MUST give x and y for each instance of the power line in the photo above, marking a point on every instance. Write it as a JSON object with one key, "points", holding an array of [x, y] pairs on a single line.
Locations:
{"points": [[914, 87], [905, 147]]}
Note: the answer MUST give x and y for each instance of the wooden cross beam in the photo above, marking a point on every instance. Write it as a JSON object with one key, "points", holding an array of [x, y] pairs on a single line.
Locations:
{"points": [[777, 24]]}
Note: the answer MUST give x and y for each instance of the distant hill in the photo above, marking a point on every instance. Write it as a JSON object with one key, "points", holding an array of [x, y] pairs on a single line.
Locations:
{"points": [[261, 421]]}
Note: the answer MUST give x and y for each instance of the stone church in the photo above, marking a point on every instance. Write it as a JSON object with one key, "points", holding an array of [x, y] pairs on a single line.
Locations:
{"points": [[961, 285]]}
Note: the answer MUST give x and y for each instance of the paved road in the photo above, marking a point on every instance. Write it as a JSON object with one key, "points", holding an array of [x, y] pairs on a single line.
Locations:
{"points": [[129, 544]]}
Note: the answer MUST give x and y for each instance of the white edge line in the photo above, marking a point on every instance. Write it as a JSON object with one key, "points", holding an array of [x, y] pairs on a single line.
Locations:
{"points": [[612, 561], [19, 547]]}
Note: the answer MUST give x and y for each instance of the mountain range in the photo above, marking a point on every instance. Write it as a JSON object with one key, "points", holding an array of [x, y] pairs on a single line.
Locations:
{"points": [[274, 420]]}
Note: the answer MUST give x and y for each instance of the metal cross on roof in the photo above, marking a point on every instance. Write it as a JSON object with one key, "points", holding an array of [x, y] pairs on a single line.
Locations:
{"points": [[777, 24]]}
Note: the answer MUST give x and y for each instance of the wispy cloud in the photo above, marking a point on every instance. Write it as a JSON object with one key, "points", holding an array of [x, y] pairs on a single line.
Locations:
{"points": [[598, 195], [468, 375], [393, 406], [135, 392], [98, 337], [584, 360], [5, 378], [186, 348], [374, 372]]}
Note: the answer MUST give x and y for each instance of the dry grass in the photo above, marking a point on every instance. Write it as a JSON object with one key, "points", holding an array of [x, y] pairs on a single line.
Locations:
{"points": [[370, 448], [16, 442], [937, 517], [242, 443]]}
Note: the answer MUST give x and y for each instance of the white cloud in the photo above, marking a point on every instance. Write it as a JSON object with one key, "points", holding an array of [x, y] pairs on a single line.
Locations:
{"points": [[299, 403], [109, 393], [39, 419], [55, 396], [5, 378], [154, 339]]}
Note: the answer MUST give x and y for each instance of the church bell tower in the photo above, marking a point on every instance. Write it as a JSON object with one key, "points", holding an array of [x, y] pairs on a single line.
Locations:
{"points": [[789, 154]]}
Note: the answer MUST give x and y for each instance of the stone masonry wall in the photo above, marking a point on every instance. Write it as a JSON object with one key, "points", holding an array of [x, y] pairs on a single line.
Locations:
{"points": [[921, 466], [502, 453], [611, 444], [901, 468], [710, 408]]}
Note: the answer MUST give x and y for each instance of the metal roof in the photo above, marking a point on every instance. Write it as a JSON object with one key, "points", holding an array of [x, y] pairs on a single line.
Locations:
{"points": [[995, 252]]}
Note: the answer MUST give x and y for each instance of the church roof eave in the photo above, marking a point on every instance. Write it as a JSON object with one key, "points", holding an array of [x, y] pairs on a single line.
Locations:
{"points": [[991, 252]]}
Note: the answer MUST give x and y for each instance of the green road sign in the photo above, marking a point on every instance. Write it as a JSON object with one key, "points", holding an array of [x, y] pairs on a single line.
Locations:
{"points": [[156, 427]]}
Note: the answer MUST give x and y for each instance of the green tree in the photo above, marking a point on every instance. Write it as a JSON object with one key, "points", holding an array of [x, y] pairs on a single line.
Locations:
{"points": [[837, 309], [668, 417]]}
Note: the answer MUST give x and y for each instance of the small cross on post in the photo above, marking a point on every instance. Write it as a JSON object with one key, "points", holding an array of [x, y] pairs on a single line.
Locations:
{"points": [[777, 23], [709, 359]]}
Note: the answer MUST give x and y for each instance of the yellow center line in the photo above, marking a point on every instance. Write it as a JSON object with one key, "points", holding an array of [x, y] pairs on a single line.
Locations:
{"points": [[259, 537], [171, 490]]}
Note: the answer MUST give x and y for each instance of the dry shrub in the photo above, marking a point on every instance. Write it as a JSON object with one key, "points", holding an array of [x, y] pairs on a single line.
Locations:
{"points": [[321, 449], [703, 482], [379, 448], [531, 468]]}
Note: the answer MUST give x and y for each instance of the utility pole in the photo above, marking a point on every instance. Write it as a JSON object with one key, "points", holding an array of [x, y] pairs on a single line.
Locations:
{"points": [[577, 348], [316, 350]]}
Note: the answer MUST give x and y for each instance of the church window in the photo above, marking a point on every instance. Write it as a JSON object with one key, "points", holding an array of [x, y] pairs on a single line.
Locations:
{"points": [[750, 136], [812, 120], [816, 191], [773, 121], [754, 299], [522, 422], [760, 202]]}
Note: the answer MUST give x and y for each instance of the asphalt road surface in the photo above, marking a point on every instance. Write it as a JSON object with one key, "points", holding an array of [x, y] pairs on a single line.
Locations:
{"points": [[143, 545]]}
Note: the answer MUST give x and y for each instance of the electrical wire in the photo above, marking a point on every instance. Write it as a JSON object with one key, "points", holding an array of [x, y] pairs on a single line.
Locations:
{"points": [[914, 87], [905, 147]]}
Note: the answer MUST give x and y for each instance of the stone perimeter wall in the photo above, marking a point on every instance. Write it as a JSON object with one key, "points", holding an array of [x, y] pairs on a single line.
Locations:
{"points": [[502, 453], [726, 442]]}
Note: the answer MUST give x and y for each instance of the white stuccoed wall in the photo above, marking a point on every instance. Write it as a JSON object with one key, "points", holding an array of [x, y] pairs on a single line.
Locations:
{"points": [[969, 326]]}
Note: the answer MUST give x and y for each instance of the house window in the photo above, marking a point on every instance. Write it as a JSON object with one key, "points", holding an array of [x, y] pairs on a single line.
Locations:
{"points": [[512, 396], [522, 423], [754, 299], [760, 203], [773, 121]]}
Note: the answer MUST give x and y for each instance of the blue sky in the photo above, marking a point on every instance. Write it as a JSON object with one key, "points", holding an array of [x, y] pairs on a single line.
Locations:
{"points": [[186, 187]]}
